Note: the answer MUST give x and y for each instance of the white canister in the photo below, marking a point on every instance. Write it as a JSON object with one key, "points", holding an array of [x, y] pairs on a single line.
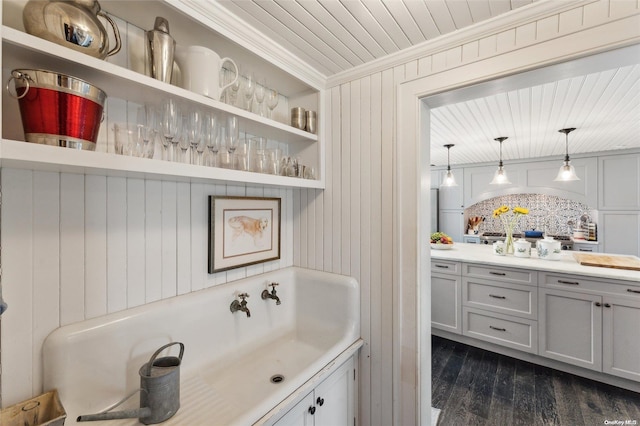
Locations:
{"points": [[200, 69], [522, 248], [499, 248], [549, 249]]}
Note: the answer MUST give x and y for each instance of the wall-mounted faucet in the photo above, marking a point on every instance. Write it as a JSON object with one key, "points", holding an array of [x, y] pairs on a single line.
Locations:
{"points": [[273, 295], [241, 306]]}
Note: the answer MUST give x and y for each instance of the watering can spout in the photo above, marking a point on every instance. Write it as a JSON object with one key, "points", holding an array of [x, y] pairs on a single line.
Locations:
{"points": [[113, 415]]}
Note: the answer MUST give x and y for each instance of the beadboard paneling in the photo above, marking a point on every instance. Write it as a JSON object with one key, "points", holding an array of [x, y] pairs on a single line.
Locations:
{"points": [[76, 247]]}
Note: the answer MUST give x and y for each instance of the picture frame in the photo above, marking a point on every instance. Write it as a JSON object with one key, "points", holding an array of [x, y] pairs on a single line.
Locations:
{"points": [[243, 231]]}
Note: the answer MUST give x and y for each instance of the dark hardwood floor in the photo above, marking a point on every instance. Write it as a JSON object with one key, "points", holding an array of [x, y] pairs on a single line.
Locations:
{"points": [[476, 387]]}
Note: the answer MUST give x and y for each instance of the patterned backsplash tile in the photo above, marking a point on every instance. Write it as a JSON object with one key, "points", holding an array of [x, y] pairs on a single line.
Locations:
{"points": [[546, 213]]}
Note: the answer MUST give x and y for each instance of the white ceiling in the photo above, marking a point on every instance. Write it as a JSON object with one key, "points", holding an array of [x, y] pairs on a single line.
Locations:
{"points": [[336, 35]]}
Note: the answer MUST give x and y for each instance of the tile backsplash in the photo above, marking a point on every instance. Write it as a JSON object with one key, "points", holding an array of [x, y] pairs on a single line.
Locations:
{"points": [[546, 213]]}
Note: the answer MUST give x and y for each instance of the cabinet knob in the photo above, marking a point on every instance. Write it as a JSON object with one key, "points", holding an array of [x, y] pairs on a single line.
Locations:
{"points": [[598, 304], [312, 410], [320, 401], [607, 305]]}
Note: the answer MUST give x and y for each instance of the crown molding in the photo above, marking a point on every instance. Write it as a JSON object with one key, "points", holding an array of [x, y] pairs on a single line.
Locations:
{"points": [[503, 22], [230, 26]]}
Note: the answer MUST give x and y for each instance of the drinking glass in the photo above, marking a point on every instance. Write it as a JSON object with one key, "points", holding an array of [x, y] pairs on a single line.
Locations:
{"points": [[249, 89], [211, 136], [182, 140], [148, 120], [260, 92], [170, 122], [194, 132], [272, 100], [233, 133], [235, 87]]}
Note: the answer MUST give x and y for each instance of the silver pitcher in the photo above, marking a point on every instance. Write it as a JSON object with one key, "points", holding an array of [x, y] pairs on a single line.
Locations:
{"points": [[159, 391], [72, 23], [161, 47]]}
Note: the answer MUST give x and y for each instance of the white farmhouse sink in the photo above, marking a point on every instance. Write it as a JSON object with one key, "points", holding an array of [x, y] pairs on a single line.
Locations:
{"points": [[229, 358]]}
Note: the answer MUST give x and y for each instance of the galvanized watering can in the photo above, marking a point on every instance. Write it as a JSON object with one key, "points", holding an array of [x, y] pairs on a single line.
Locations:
{"points": [[159, 391]]}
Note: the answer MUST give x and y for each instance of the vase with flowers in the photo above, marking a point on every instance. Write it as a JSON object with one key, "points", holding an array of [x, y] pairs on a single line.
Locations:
{"points": [[509, 222]]}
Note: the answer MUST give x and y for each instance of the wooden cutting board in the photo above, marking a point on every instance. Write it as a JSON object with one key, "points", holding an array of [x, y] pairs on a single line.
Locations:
{"points": [[606, 261]]}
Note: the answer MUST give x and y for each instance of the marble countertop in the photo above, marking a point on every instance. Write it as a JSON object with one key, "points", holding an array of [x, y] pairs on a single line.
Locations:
{"points": [[483, 254]]}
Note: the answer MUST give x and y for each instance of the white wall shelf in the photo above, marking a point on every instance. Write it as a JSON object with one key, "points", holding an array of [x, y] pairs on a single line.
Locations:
{"points": [[24, 155]]}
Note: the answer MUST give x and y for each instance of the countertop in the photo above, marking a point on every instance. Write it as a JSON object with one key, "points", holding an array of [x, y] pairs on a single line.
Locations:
{"points": [[483, 254]]}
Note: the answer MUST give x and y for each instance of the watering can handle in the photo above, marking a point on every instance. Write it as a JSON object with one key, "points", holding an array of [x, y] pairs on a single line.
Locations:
{"points": [[156, 353]]}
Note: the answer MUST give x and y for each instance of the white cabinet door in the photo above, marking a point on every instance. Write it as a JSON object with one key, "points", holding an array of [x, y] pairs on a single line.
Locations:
{"points": [[621, 340], [334, 398], [446, 313], [476, 183], [299, 415], [619, 182], [619, 232], [570, 327], [452, 224]]}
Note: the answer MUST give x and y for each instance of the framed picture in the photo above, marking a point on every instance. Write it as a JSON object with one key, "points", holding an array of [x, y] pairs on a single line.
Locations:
{"points": [[243, 231]]}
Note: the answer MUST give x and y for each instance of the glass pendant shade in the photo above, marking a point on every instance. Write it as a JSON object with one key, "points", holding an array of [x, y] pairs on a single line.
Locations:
{"points": [[448, 179], [500, 176], [567, 172]]}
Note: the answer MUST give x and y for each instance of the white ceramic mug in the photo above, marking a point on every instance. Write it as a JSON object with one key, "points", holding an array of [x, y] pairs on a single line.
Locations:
{"points": [[200, 68]]}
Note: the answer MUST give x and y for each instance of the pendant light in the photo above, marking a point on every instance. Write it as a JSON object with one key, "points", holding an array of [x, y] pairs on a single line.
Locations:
{"points": [[567, 172], [448, 179], [500, 176]]}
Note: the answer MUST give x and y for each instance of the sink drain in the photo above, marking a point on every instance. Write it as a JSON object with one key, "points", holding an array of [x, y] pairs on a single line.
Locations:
{"points": [[277, 378]]}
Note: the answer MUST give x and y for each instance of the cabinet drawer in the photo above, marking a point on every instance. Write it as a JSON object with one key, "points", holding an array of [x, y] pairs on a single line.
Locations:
{"points": [[505, 330], [497, 273], [578, 283], [510, 299], [445, 267]]}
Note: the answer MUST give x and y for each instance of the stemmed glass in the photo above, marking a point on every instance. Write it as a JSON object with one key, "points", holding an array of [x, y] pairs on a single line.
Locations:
{"points": [[194, 132], [148, 126], [212, 138], [272, 100], [233, 93], [260, 92], [170, 122], [182, 139], [249, 89], [233, 134]]}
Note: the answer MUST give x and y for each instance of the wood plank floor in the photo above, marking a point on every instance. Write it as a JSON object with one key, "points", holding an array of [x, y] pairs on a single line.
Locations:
{"points": [[476, 387]]}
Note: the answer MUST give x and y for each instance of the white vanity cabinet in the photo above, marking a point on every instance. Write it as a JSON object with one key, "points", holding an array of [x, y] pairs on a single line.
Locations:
{"points": [[123, 78], [331, 403]]}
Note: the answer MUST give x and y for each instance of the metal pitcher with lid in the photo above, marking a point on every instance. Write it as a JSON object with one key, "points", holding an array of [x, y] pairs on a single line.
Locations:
{"points": [[71, 23]]}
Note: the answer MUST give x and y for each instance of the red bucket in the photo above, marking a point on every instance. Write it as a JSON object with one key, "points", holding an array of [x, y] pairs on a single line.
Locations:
{"points": [[58, 109]]}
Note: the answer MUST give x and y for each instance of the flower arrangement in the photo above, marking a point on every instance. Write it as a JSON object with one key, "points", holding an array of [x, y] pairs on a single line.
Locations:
{"points": [[509, 222]]}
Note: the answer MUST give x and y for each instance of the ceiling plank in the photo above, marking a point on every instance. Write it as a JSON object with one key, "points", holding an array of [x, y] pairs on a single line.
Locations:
{"points": [[371, 25]]}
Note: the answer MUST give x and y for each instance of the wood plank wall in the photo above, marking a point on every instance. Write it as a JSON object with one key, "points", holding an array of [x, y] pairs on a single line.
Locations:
{"points": [[76, 247]]}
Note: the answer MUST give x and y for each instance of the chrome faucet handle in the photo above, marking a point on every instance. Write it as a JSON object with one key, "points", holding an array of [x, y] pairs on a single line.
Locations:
{"points": [[273, 285], [243, 295]]}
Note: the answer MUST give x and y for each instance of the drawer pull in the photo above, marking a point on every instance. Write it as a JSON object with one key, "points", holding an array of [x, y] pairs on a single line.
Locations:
{"points": [[497, 297], [598, 304], [442, 266], [585, 249], [497, 328], [633, 291], [606, 305], [568, 282], [502, 274]]}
